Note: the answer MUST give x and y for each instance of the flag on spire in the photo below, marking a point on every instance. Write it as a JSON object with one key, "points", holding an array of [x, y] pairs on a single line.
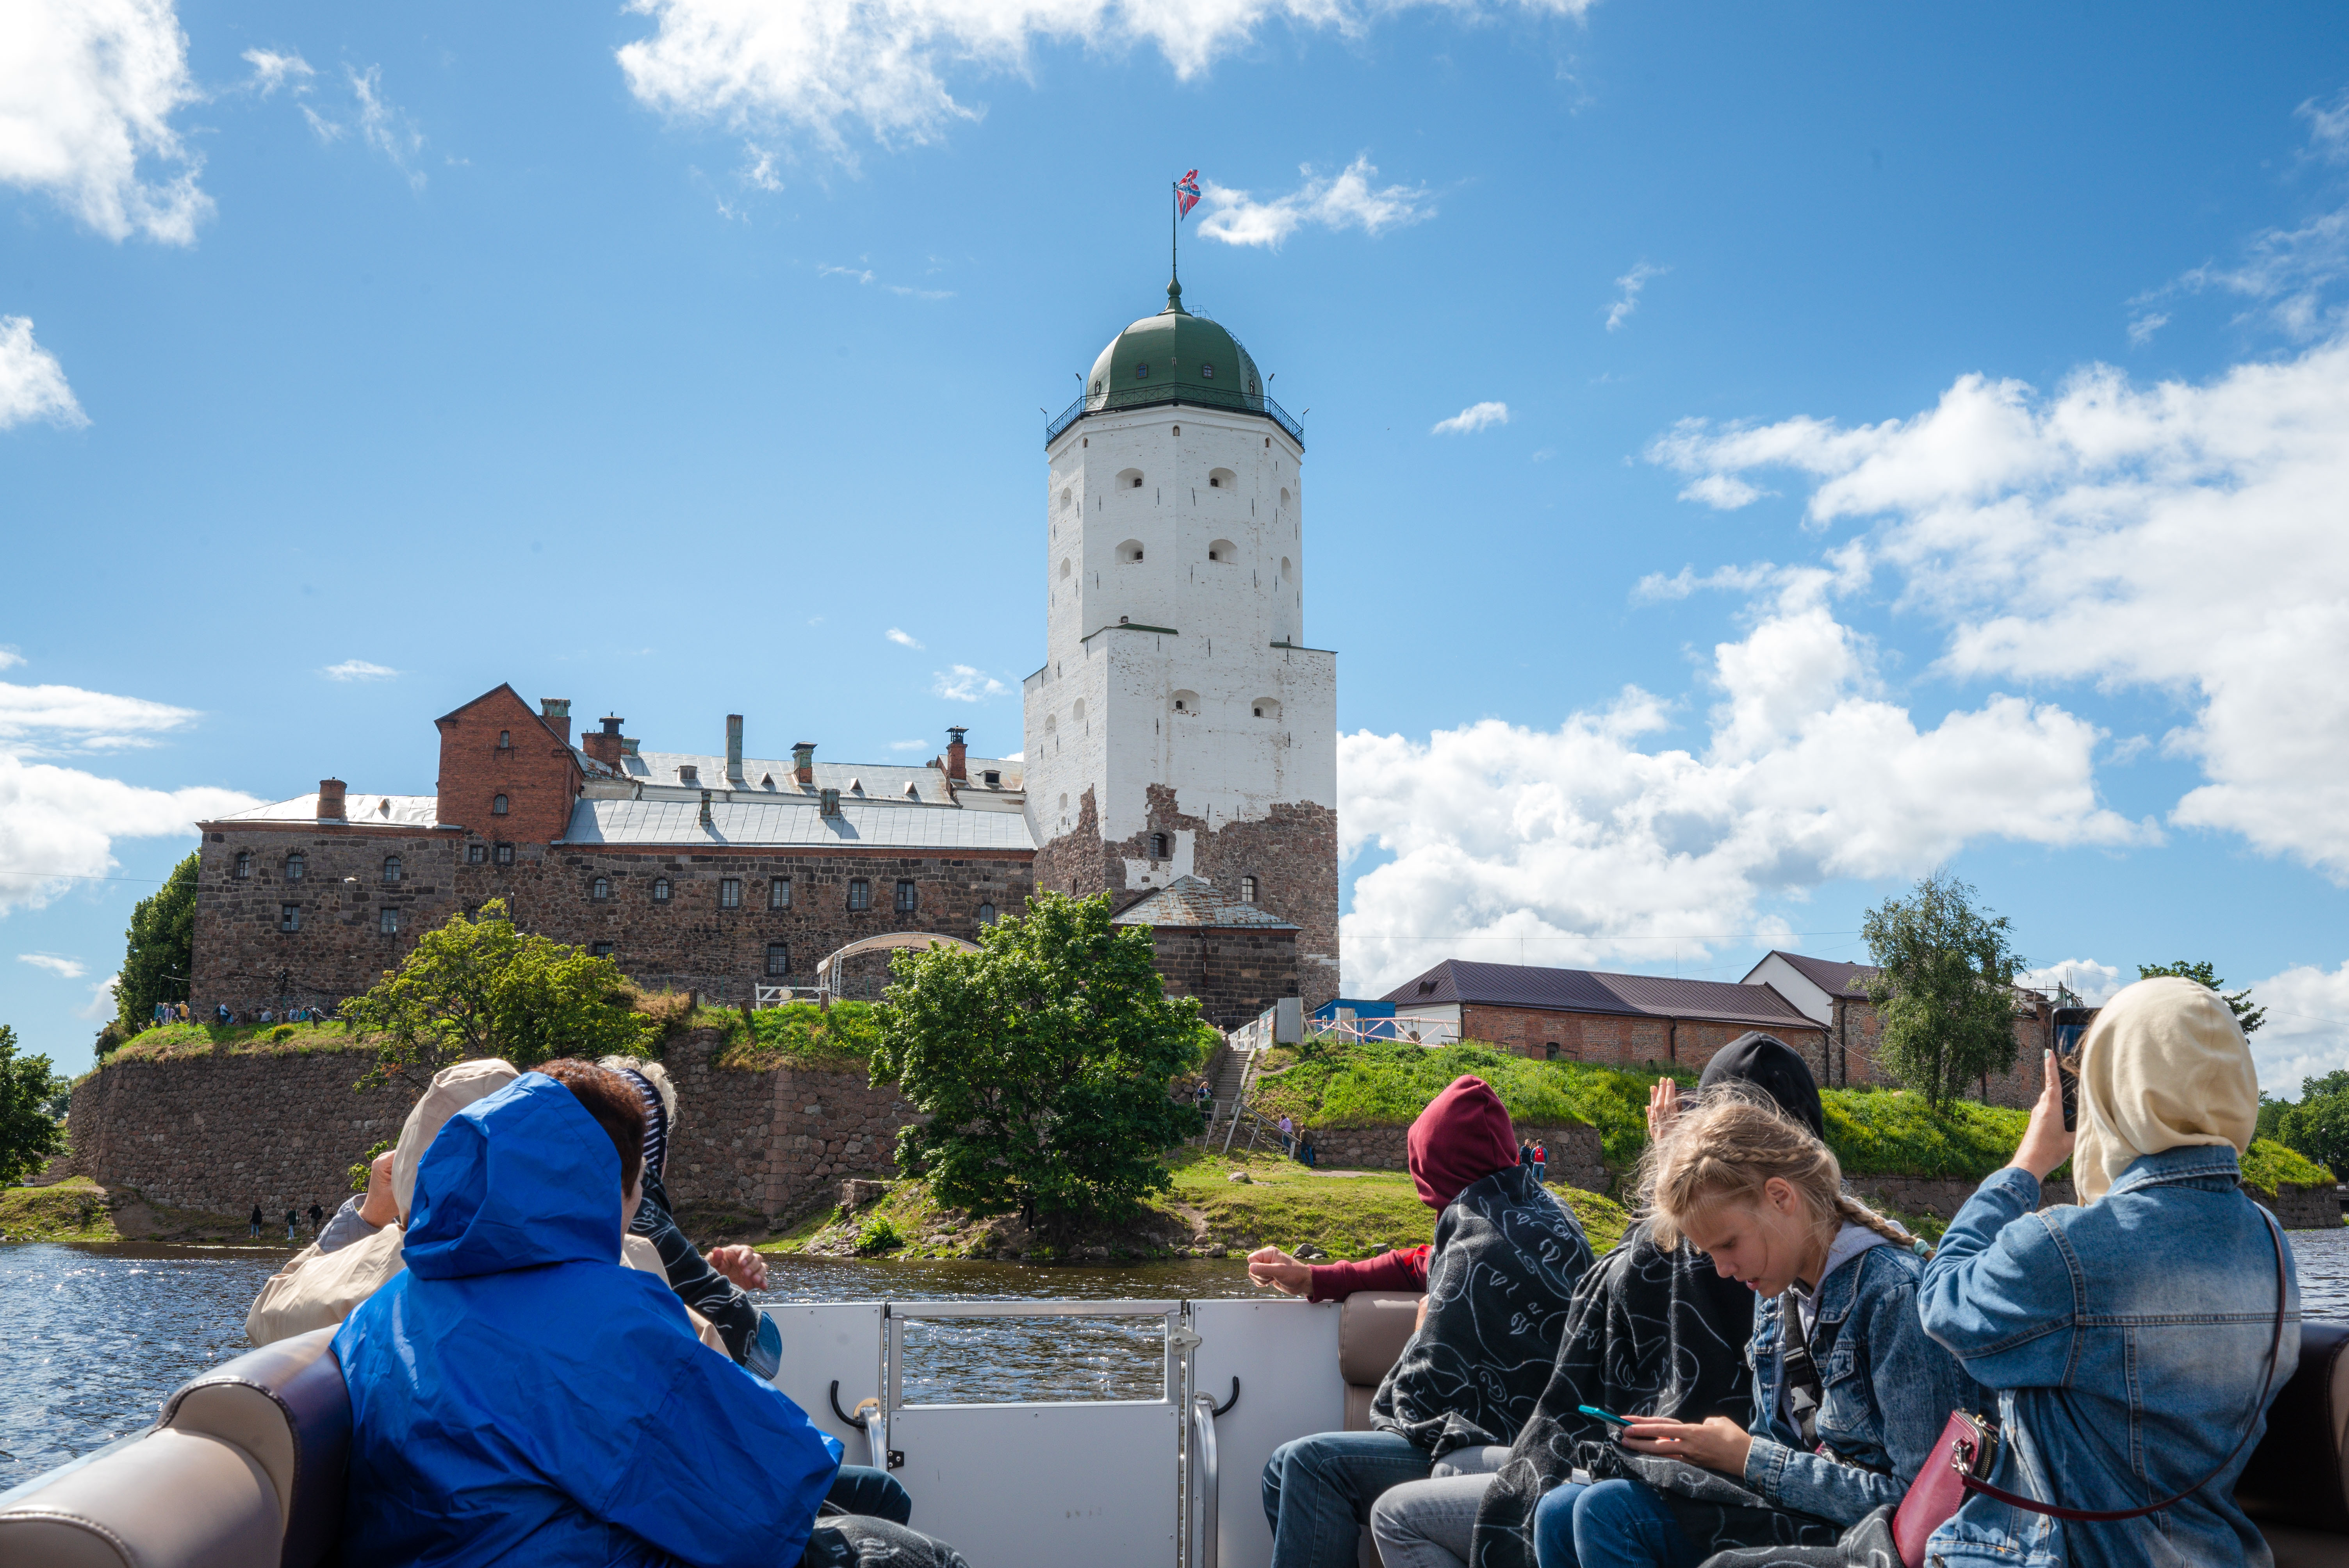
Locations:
{"points": [[1186, 194]]}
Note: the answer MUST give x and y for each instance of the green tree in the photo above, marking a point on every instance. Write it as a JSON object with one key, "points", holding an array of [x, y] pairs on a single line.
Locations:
{"points": [[478, 987], [1041, 1064], [1944, 987], [159, 952], [29, 1133], [2317, 1124], [2237, 1002]]}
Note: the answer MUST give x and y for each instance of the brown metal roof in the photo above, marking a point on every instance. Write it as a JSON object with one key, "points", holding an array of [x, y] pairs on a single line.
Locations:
{"points": [[1590, 991], [1188, 901], [1830, 975]]}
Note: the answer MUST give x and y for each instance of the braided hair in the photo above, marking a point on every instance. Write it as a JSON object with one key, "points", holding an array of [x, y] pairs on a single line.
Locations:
{"points": [[1729, 1148]]}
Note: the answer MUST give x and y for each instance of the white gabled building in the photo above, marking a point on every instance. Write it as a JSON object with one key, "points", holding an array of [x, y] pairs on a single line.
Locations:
{"points": [[1180, 725]]}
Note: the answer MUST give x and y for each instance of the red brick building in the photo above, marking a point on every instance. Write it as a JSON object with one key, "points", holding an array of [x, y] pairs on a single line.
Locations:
{"points": [[1834, 995]]}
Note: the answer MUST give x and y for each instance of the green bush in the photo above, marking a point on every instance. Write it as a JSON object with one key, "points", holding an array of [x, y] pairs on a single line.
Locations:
{"points": [[879, 1235]]}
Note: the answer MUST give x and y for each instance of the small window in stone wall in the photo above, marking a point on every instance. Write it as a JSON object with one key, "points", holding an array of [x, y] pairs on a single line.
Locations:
{"points": [[1247, 890], [600, 889], [779, 958], [289, 917], [660, 890], [908, 898], [295, 867], [986, 915], [476, 853], [387, 922], [860, 893], [599, 950], [244, 865], [497, 805], [779, 892], [390, 870], [505, 854], [1158, 846]]}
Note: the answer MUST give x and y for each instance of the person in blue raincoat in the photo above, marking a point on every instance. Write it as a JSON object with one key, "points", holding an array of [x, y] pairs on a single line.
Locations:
{"points": [[518, 1395]]}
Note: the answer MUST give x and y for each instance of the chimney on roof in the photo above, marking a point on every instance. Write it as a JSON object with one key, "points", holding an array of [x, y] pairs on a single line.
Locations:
{"points": [[706, 819], [628, 745], [733, 745], [603, 745], [330, 799], [556, 711], [955, 752], [828, 802], [803, 761]]}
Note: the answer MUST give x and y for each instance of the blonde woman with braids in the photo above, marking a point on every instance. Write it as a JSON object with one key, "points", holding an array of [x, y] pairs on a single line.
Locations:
{"points": [[1764, 1199]]}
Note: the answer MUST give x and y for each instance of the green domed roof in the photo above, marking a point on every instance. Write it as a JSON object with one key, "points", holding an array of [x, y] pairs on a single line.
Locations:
{"points": [[1174, 357]]}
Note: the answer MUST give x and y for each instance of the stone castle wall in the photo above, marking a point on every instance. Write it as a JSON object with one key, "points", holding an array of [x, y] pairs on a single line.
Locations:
{"points": [[1235, 971]]}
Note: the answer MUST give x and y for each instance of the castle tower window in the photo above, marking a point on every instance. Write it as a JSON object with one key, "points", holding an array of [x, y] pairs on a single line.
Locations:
{"points": [[860, 893], [986, 915], [289, 917], [1158, 846], [600, 890], [497, 805], [1077, 712], [505, 740], [1186, 702], [1265, 707], [730, 892], [1064, 569], [390, 870], [244, 865], [779, 892], [660, 890], [296, 866], [1130, 552], [908, 897], [476, 853], [1247, 890], [599, 950], [1129, 479], [1206, 370], [1222, 479], [1224, 551], [387, 922], [505, 854], [779, 958]]}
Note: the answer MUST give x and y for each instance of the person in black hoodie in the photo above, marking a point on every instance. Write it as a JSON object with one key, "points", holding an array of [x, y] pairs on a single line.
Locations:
{"points": [[1651, 1331]]}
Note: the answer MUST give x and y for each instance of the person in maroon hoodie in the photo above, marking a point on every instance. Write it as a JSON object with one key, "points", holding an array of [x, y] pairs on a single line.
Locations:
{"points": [[1473, 1369]]}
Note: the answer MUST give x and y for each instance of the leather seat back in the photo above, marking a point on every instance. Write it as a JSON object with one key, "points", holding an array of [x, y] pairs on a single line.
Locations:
{"points": [[245, 1467], [1373, 1325], [2298, 1475]]}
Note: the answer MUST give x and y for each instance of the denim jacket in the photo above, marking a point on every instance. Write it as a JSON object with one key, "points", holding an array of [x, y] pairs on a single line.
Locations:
{"points": [[2126, 1340], [1889, 1391]]}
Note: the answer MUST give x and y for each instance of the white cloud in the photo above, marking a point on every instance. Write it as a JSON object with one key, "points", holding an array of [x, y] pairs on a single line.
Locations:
{"points": [[1631, 284], [2184, 538], [866, 276], [1722, 492], [1469, 421], [908, 745], [327, 131], [2141, 328], [358, 670], [2307, 1030], [55, 963], [1606, 851], [826, 67], [1344, 200], [2328, 128], [32, 382], [964, 684], [272, 71], [34, 720], [760, 170], [10, 658], [385, 125], [59, 823], [101, 1005], [903, 640], [88, 89], [2092, 981]]}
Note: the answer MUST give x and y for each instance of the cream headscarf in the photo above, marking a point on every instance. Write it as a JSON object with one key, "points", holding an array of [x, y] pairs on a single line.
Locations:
{"points": [[2163, 1066], [453, 1089]]}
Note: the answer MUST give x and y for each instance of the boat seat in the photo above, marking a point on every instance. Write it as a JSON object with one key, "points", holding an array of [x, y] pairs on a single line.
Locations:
{"points": [[2295, 1486], [1373, 1325], [243, 1469]]}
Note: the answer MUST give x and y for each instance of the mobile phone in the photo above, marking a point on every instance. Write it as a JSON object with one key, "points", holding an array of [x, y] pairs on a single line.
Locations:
{"points": [[2071, 1023], [1603, 1415]]}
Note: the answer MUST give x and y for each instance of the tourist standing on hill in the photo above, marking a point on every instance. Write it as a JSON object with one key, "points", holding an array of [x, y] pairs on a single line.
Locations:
{"points": [[2136, 1340], [292, 1221], [317, 1218], [1288, 1138], [1469, 1376]]}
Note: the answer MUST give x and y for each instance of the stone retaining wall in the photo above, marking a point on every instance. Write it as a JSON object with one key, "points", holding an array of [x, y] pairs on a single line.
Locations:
{"points": [[1574, 1154]]}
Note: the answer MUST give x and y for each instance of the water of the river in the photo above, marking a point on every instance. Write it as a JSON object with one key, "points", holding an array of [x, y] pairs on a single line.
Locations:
{"points": [[92, 1338]]}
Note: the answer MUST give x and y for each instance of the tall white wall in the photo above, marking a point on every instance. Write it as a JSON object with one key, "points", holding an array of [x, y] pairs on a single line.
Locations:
{"points": [[1218, 520]]}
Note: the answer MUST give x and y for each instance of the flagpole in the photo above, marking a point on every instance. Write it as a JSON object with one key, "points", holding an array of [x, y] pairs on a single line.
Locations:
{"points": [[1173, 235]]}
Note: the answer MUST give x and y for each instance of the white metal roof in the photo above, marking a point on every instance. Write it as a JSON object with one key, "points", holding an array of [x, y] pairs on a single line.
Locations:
{"points": [[879, 780], [360, 807], [793, 821]]}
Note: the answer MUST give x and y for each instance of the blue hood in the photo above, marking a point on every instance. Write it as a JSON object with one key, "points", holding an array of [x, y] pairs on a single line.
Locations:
{"points": [[519, 1180]]}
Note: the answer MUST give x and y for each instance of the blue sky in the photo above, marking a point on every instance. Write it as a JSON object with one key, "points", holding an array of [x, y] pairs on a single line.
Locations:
{"points": [[1922, 442]]}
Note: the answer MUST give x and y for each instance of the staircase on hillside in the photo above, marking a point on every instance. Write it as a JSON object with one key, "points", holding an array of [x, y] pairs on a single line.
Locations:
{"points": [[1227, 1077]]}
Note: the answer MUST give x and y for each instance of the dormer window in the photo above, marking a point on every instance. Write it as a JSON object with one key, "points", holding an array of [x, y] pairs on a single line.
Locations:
{"points": [[1427, 987], [688, 773], [912, 793], [1141, 371], [994, 779], [856, 786], [1206, 371]]}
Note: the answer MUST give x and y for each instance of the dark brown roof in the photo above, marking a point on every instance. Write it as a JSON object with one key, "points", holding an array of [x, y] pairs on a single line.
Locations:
{"points": [[1835, 978], [1587, 991], [1188, 901]]}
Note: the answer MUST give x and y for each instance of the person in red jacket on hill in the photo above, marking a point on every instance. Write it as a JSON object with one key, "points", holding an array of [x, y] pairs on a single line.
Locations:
{"points": [[1473, 1370]]}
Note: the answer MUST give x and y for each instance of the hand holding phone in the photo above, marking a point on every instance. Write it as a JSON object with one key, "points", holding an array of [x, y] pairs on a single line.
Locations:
{"points": [[1607, 1416]]}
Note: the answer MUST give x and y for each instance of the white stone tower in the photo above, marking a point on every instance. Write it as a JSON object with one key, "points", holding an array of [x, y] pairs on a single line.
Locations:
{"points": [[1179, 725]]}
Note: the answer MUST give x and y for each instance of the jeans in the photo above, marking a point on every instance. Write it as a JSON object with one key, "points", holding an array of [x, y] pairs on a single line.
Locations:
{"points": [[1318, 1492], [875, 1494], [1429, 1523], [1611, 1524]]}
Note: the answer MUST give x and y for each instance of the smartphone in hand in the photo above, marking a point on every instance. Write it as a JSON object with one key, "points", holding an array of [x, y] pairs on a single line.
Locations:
{"points": [[1607, 1416], [2071, 1023]]}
